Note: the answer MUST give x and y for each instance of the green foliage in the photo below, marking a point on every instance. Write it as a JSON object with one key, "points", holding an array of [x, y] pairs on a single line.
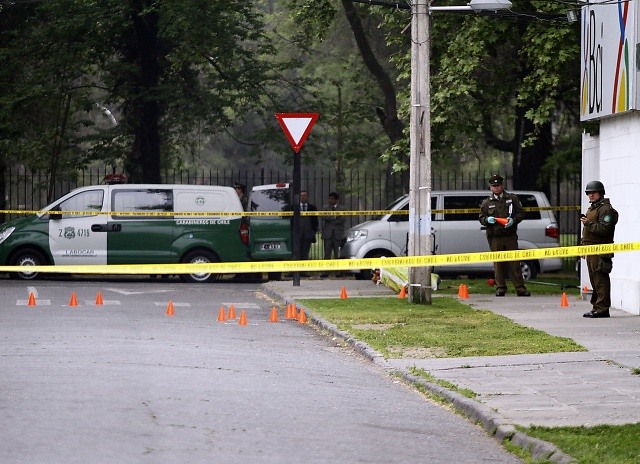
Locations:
{"points": [[603, 444]]}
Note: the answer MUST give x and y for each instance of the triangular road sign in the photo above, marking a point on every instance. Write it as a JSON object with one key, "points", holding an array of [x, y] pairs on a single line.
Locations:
{"points": [[296, 127]]}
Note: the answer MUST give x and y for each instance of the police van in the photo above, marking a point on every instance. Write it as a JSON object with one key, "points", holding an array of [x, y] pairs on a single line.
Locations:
{"points": [[131, 224]]}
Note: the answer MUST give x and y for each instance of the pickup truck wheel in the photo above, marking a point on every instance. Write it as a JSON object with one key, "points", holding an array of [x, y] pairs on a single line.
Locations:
{"points": [[199, 257], [27, 257]]}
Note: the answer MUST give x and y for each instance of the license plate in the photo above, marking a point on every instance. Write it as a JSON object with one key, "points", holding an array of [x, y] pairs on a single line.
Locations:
{"points": [[270, 246]]}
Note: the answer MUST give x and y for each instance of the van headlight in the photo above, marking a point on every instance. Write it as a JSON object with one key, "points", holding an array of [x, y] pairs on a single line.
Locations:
{"points": [[357, 234], [5, 233]]}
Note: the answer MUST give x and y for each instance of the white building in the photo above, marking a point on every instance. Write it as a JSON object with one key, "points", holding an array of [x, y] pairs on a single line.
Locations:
{"points": [[610, 93]]}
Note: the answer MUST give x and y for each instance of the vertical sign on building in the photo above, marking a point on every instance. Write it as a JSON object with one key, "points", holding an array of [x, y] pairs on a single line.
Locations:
{"points": [[608, 74]]}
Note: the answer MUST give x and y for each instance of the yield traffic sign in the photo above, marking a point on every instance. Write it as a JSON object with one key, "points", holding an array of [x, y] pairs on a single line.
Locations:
{"points": [[296, 127]]}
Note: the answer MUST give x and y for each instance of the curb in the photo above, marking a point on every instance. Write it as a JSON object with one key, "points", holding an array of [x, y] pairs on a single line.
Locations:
{"points": [[493, 424]]}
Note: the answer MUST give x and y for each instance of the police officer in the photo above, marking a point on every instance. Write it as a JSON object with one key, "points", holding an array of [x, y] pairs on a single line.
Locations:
{"points": [[241, 190], [599, 225], [502, 237]]}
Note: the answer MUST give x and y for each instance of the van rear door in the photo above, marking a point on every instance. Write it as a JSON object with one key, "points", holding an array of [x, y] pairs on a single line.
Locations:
{"points": [[270, 236]]}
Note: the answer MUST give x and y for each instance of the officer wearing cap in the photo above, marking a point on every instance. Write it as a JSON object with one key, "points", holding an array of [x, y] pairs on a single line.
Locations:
{"points": [[598, 227], [501, 213], [241, 190]]}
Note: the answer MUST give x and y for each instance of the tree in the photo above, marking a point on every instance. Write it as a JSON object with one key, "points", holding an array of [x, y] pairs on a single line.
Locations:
{"points": [[163, 68]]}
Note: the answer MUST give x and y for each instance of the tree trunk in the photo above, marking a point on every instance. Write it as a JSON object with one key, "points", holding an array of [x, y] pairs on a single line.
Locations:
{"points": [[143, 164]]}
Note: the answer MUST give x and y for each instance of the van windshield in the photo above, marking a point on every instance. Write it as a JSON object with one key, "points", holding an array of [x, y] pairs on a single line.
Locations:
{"points": [[397, 204]]}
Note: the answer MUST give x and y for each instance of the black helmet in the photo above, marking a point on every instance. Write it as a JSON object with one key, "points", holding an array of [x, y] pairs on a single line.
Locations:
{"points": [[595, 186]]}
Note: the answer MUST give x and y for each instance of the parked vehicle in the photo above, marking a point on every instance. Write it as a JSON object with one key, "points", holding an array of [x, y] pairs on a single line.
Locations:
{"points": [[454, 233], [99, 225]]}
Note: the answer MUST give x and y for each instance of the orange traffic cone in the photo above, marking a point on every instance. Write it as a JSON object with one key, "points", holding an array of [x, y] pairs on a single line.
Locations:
{"points": [[243, 318], [502, 221], [74, 299], [170, 310], [464, 292], [32, 299], [403, 293], [273, 317], [343, 293], [302, 317], [99, 301], [221, 316], [294, 311], [232, 312], [563, 301]]}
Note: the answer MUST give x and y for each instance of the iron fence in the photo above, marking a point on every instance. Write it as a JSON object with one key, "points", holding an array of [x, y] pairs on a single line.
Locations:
{"points": [[360, 190]]}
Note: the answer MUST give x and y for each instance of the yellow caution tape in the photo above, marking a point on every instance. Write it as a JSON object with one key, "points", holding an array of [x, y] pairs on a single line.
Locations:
{"points": [[334, 264], [373, 212]]}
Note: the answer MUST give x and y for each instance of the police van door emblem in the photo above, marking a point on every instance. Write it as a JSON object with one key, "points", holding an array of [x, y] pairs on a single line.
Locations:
{"points": [[69, 232], [200, 201]]}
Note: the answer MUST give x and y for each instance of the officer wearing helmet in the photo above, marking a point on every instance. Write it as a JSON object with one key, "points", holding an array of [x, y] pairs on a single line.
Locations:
{"points": [[598, 227], [501, 213]]}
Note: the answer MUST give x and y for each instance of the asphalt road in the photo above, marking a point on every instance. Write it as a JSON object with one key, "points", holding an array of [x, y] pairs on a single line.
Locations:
{"points": [[123, 382]]}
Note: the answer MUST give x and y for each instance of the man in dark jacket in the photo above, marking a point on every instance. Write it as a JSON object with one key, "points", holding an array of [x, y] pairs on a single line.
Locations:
{"points": [[598, 227], [501, 213]]}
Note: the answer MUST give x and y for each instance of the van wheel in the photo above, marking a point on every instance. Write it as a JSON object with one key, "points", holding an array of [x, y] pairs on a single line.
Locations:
{"points": [[199, 257], [529, 270], [27, 257]]}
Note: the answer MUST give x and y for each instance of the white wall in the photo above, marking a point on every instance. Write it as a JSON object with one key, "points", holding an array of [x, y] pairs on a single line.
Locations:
{"points": [[618, 147]]}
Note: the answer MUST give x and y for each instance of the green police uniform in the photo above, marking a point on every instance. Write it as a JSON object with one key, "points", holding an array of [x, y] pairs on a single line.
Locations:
{"points": [[502, 238], [599, 230]]}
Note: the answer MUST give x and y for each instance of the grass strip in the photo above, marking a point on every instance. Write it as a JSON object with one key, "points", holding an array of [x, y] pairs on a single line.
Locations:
{"points": [[446, 328]]}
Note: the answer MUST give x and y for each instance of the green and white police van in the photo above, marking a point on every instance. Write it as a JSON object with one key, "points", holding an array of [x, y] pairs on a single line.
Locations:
{"points": [[132, 224]]}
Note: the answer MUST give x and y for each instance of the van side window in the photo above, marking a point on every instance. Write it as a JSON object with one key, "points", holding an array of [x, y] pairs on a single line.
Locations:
{"points": [[405, 217], [472, 202], [529, 201], [146, 201], [85, 201]]}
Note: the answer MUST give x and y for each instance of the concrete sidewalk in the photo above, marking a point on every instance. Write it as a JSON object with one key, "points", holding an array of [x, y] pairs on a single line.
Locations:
{"points": [[585, 388]]}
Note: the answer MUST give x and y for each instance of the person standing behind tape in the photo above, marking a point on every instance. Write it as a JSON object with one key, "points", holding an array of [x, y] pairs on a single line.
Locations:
{"points": [[332, 229], [598, 227], [501, 213], [308, 225]]}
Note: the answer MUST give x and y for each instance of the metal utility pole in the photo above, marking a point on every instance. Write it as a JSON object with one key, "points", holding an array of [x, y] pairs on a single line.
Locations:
{"points": [[420, 161]]}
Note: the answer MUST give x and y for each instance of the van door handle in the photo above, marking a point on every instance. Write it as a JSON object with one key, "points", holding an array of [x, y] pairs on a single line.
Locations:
{"points": [[115, 228], [106, 227], [98, 228]]}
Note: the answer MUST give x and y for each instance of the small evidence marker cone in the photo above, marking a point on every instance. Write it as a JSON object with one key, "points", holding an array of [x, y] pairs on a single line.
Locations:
{"points": [[302, 317], [170, 310], [232, 312], [221, 315], [502, 221], [273, 317], [563, 301], [343, 293], [243, 318], [99, 301], [403, 293], [32, 299], [74, 299], [465, 291]]}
